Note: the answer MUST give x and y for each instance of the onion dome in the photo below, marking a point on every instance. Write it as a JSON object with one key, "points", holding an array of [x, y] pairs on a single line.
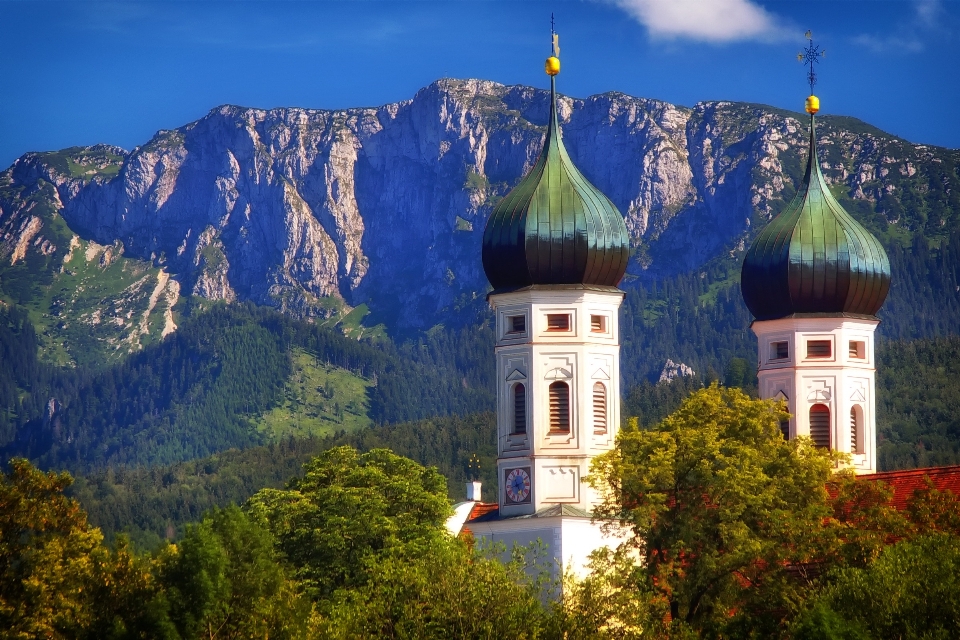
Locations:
{"points": [[554, 227], [814, 258]]}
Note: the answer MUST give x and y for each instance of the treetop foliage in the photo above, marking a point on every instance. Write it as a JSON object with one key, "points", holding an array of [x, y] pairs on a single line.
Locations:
{"points": [[733, 532], [716, 500], [350, 510], [45, 553]]}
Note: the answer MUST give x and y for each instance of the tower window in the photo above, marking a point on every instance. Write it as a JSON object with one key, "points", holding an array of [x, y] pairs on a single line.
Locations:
{"points": [[599, 408], [819, 349], [516, 324], [559, 407], [820, 425], [558, 322], [779, 350], [598, 324], [785, 429], [856, 429], [857, 350], [519, 408]]}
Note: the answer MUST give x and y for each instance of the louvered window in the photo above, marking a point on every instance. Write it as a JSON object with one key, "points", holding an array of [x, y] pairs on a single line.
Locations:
{"points": [[779, 350], [857, 350], [559, 407], [519, 408], [820, 425], [517, 324], [598, 324], [818, 349], [853, 430], [558, 322], [599, 408]]}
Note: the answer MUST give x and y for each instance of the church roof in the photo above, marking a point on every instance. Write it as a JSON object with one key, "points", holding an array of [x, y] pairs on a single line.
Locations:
{"points": [[490, 512], [904, 483], [554, 227], [814, 257]]}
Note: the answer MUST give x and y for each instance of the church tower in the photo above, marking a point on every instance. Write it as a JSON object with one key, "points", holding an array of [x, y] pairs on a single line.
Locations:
{"points": [[815, 279], [554, 250]]}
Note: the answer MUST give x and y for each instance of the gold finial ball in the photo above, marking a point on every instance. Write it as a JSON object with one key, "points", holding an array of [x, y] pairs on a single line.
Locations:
{"points": [[552, 66], [813, 105]]}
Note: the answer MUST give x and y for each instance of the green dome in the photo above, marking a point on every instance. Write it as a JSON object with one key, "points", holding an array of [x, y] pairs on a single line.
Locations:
{"points": [[814, 257], [555, 227]]}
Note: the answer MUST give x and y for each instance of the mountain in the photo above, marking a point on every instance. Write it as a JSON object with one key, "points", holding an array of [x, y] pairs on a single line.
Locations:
{"points": [[316, 212], [116, 349]]}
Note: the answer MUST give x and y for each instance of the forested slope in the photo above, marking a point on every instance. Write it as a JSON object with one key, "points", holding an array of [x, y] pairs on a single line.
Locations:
{"points": [[199, 391], [918, 408]]}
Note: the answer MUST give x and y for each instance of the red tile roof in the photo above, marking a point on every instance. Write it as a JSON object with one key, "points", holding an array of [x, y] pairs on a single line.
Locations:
{"points": [[904, 483], [479, 509], [482, 509]]}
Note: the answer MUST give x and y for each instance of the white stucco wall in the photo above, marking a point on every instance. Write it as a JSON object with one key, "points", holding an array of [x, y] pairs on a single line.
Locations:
{"points": [[537, 357], [840, 381]]}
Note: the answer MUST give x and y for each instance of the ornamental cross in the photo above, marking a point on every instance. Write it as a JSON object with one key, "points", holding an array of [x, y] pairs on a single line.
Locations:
{"points": [[810, 55]]}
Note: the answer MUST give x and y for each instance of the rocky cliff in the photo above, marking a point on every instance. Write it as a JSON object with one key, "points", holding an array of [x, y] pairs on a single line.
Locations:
{"points": [[313, 211]]}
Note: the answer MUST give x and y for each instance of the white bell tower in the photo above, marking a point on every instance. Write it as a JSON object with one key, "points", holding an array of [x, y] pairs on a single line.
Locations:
{"points": [[554, 250], [558, 392], [814, 279]]}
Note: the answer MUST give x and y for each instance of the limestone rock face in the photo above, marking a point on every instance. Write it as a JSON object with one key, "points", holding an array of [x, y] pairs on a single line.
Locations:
{"points": [[672, 370], [295, 207]]}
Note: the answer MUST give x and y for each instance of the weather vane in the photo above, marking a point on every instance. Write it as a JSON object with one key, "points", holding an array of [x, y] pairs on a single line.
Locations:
{"points": [[810, 55], [554, 39]]}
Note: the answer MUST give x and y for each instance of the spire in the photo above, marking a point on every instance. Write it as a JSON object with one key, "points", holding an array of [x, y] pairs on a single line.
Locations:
{"points": [[554, 227], [814, 257]]}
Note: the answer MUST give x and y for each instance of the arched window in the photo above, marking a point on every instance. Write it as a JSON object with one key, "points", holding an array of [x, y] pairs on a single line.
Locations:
{"points": [[785, 429], [856, 429], [519, 408], [820, 425], [559, 406], [599, 408]]}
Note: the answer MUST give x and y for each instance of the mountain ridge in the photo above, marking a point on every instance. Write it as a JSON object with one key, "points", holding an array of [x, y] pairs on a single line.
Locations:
{"points": [[316, 211]]}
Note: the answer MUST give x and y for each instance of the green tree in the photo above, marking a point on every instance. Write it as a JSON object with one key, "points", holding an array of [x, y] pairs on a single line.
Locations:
{"points": [[452, 592], [862, 521], [718, 505], [911, 591], [930, 510], [47, 555], [616, 600], [125, 598], [226, 580], [737, 373], [350, 511]]}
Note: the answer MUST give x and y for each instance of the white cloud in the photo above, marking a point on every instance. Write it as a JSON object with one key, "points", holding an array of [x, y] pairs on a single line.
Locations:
{"points": [[911, 34], [887, 44], [928, 12], [708, 20]]}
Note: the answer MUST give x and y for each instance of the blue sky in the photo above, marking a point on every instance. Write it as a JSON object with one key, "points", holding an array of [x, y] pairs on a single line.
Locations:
{"points": [[83, 72]]}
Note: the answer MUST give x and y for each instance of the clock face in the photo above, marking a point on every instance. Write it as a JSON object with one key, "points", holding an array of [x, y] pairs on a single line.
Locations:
{"points": [[518, 485]]}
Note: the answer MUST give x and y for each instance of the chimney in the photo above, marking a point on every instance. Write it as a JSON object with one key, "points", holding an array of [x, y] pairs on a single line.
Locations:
{"points": [[473, 491]]}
